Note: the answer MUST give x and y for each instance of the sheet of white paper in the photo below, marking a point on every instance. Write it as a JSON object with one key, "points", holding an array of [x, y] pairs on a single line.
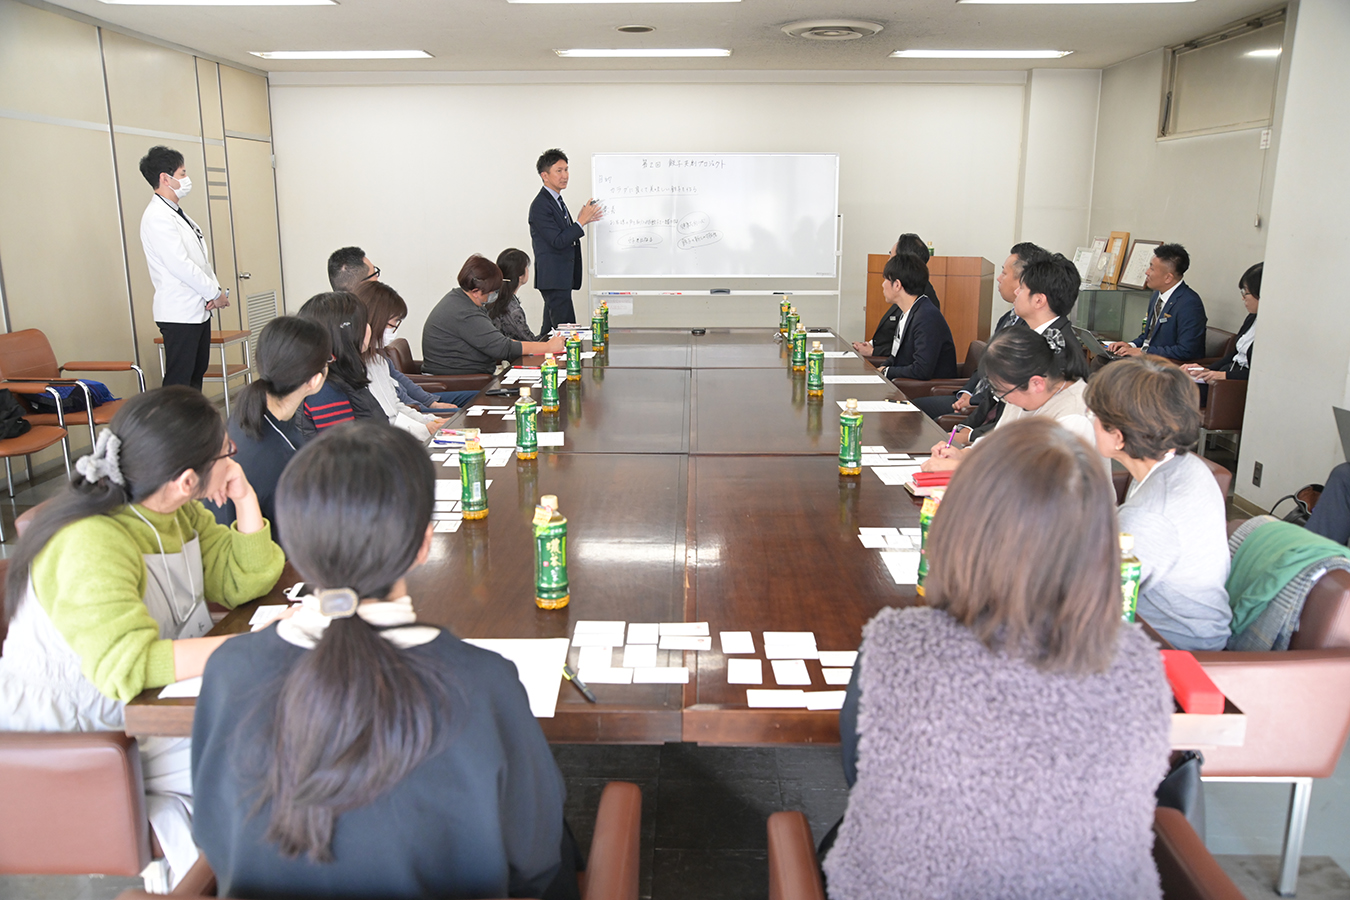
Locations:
{"points": [[853, 379], [661, 675], [644, 633], [448, 490], [825, 699], [788, 637], [639, 656], [597, 639], [439, 457], [745, 671], [188, 687], [895, 475], [903, 564], [887, 459], [445, 506], [539, 663], [737, 642], [872, 448], [620, 306], [912, 532], [607, 676], [588, 354], [837, 354], [546, 439], [594, 658], [684, 629], [498, 439], [599, 626], [474, 411], [767, 699], [499, 457], [790, 671], [446, 526], [838, 658], [265, 614], [837, 676], [867, 406], [877, 538], [685, 642], [446, 516]]}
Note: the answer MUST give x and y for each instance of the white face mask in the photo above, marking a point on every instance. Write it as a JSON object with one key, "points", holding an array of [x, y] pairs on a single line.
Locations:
{"points": [[184, 187], [389, 335]]}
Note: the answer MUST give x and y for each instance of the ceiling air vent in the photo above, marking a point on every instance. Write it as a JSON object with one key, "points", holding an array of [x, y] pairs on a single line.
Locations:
{"points": [[635, 29], [832, 29]]}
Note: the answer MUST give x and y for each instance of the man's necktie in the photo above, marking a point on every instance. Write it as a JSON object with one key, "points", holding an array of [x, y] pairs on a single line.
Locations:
{"points": [[567, 217]]}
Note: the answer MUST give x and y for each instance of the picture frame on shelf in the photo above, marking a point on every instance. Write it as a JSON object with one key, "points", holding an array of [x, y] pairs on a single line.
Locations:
{"points": [[1114, 256], [1136, 263], [1096, 268]]}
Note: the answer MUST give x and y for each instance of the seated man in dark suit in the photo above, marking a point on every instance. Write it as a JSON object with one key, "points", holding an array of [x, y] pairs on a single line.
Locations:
{"points": [[922, 347], [885, 333], [1175, 328]]}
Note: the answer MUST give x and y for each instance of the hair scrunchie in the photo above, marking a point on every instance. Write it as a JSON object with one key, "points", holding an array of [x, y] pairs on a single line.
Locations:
{"points": [[103, 461], [1055, 338]]}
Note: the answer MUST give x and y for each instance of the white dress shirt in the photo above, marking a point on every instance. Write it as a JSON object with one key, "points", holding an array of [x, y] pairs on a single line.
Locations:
{"points": [[180, 268]]}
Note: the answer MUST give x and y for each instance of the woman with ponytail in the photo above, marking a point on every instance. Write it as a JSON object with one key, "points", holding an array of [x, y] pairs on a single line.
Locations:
{"points": [[345, 394], [350, 751], [292, 364], [505, 310], [107, 589]]}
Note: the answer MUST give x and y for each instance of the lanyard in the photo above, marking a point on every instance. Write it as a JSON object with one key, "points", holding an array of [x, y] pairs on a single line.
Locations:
{"points": [[163, 558], [201, 239]]}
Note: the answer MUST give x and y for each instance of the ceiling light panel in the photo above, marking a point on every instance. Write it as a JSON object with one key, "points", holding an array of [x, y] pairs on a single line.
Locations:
{"points": [[980, 54], [341, 54], [220, 2], [1065, 2], [623, 1], [642, 52]]}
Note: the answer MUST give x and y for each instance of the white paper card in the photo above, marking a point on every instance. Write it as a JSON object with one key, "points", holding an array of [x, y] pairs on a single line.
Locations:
{"points": [[439, 457], [447, 526], [497, 439], [600, 626], [853, 379], [661, 675], [594, 658], [895, 475], [644, 633], [684, 629], [639, 656], [867, 406], [872, 448], [737, 642], [838, 658], [745, 671], [445, 506], [597, 639], [546, 439], [837, 354], [825, 699], [263, 615], [188, 687], [608, 676], [903, 564], [448, 490], [499, 456], [762, 699], [588, 354], [790, 671], [837, 676], [539, 663], [685, 642]]}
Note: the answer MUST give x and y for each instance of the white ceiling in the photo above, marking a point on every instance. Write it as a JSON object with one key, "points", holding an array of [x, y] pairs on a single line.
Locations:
{"points": [[484, 35]]}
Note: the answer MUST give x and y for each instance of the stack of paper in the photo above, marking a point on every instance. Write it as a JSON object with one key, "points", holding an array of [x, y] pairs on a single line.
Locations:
{"points": [[598, 640]]}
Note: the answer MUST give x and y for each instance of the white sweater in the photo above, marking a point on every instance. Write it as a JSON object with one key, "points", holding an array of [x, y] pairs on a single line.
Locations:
{"points": [[400, 415]]}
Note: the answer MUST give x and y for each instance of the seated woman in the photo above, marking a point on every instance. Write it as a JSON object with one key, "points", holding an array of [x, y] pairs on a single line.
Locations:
{"points": [[459, 337], [345, 394], [1147, 417], [351, 751], [1027, 371], [379, 367], [107, 589], [1237, 364], [292, 363], [1007, 738], [505, 310], [385, 312]]}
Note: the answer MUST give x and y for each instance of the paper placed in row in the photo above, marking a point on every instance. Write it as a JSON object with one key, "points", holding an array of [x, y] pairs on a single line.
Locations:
{"points": [[452, 490], [895, 475], [903, 565], [853, 379], [794, 699], [887, 539], [888, 459], [867, 406]]}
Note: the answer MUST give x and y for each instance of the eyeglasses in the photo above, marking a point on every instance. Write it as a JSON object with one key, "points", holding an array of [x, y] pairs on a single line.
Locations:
{"points": [[1000, 395], [228, 453], [373, 276], [1246, 293]]}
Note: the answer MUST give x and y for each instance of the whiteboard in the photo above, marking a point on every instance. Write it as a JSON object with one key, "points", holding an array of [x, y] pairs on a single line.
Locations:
{"points": [[750, 215]]}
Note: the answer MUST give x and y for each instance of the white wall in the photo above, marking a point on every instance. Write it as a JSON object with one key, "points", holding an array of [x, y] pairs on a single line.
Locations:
{"points": [[422, 175], [1057, 162], [1302, 348]]}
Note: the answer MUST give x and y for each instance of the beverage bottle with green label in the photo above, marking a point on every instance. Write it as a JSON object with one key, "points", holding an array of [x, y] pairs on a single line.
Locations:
{"points": [[573, 344], [783, 306], [548, 384], [931, 251], [551, 590], [792, 320], [473, 477], [527, 425], [604, 314], [926, 513], [799, 348], [597, 331], [850, 439], [815, 371], [1131, 573]]}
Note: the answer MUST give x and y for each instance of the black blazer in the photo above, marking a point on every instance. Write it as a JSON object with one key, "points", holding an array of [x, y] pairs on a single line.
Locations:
{"points": [[885, 333], [557, 245], [976, 385], [1229, 363], [926, 349]]}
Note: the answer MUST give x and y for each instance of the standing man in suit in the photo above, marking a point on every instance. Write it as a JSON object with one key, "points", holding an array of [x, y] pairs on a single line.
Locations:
{"points": [[1175, 327], [557, 240], [922, 347], [186, 290]]}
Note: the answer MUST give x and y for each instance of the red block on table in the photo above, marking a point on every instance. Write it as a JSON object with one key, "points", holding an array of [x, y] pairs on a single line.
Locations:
{"points": [[928, 479], [1190, 685]]}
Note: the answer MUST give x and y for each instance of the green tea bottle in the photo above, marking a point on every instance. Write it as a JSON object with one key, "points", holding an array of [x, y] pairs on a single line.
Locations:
{"points": [[597, 331], [850, 439], [815, 371], [527, 425], [550, 555], [573, 357], [792, 320], [783, 306], [604, 313], [473, 478], [548, 384], [926, 513], [799, 348], [1131, 572]]}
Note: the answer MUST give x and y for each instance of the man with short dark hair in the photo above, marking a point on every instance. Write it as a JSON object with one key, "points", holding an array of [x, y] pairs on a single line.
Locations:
{"points": [[186, 290], [349, 267], [922, 347], [1176, 322], [556, 239]]}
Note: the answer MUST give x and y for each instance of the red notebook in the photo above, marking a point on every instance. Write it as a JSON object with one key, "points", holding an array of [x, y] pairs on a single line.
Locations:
{"points": [[930, 479], [1190, 685]]}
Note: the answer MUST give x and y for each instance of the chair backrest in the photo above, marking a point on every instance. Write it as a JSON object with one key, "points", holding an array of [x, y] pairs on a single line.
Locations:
{"points": [[1186, 869], [27, 354], [1325, 621], [974, 354], [1120, 479], [74, 804], [401, 354], [1217, 341], [1226, 405]]}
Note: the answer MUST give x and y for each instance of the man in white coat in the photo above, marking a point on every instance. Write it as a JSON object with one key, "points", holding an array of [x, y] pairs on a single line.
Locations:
{"points": [[186, 290]]}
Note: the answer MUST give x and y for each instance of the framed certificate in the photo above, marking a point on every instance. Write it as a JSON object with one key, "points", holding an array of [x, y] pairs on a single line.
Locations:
{"points": [[1114, 256], [1136, 263]]}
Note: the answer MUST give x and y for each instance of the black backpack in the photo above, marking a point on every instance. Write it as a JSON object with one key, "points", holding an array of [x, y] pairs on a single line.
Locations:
{"points": [[12, 422]]}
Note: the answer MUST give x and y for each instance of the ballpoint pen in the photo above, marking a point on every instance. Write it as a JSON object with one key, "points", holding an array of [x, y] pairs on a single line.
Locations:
{"points": [[951, 437], [578, 683]]}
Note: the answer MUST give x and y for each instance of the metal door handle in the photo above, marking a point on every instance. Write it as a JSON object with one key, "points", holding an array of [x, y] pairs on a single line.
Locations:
{"points": [[245, 274]]}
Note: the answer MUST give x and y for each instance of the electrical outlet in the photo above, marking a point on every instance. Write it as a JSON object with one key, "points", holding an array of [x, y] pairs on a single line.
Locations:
{"points": [[1256, 474]]}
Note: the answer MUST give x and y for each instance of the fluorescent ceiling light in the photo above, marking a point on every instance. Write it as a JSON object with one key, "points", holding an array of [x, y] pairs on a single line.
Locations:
{"points": [[980, 54], [341, 54], [220, 2], [623, 1], [1067, 2], [1268, 51], [645, 52]]}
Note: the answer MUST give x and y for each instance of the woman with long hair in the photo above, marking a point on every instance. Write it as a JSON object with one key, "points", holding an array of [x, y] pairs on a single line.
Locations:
{"points": [[351, 751], [107, 589], [380, 382], [505, 310], [345, 394]]}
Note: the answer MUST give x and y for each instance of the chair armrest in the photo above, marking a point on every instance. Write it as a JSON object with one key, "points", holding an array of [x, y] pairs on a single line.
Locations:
{"points": [[612, 868], [1185, 868], [794, 873], [97, 366], [199, 881], [462, 382], [429, 382], [950, 421], [28, 388], [1225, 405], [876, 360]]}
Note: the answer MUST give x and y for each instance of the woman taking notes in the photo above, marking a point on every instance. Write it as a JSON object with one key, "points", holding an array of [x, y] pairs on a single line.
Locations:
{"points": [[1009, 735], [107, 589], [350, 751], [1238, 364], [1147, 417]]}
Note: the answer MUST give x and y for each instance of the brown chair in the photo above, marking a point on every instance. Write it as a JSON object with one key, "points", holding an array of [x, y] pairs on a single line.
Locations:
{"points": [[401, 354], [1218, 344], [37, 438], [1225, 404], [912, 388], [1186, 869], [1120, 478], [611, 869]]}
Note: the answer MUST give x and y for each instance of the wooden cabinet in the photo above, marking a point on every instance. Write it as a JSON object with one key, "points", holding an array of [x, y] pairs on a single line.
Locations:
{"points": [[965, 289]]}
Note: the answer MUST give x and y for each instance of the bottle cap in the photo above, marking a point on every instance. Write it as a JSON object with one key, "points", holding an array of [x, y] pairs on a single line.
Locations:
{"points": [[549, 500], [815, 345], [852, 404], [524, 392], [1126, 543]]}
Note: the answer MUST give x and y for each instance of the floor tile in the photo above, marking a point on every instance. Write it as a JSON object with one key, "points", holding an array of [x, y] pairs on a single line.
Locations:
{"points": [[1319, 878], [690, 762], [709, 815], [710, 875], [615, 762]]}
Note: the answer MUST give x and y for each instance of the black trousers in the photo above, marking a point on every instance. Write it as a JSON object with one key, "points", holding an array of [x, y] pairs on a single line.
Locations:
{"points": [[935, 407], [1331, 516], [558, 310], [187, 350]]}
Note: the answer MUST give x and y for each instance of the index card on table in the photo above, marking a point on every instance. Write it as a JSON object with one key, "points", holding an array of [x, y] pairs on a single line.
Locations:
{"points": [[745, 671], [737, 642], [539, 663]]}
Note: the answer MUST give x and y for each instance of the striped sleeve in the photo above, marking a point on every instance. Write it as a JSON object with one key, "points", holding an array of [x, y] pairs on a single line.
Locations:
{"points": [[326, 415]]}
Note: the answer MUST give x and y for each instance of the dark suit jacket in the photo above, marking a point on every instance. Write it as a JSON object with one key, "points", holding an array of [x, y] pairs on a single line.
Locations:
{"points": [[557, 247], [926, 349], [1229, 363], [885, 333], [976, 385], [1181, 333]]}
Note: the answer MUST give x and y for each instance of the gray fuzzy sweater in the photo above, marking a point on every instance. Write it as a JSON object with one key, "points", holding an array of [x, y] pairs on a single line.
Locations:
{"points": [[981, 776]]}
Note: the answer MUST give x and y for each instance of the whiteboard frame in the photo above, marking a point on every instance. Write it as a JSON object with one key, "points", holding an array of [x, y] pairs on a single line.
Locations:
{"points": [[838, 221]]}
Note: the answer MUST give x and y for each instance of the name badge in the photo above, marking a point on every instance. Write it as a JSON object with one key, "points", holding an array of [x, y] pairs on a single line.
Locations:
{"points": [[198, 623]]}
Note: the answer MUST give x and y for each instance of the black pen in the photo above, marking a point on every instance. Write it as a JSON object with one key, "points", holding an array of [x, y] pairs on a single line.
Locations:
{"points": [[578, 683]]}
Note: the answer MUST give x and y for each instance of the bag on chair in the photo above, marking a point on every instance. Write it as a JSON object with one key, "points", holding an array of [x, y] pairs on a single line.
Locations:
{"points": [[1305, 498], [72, 397], [12, 422]]}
